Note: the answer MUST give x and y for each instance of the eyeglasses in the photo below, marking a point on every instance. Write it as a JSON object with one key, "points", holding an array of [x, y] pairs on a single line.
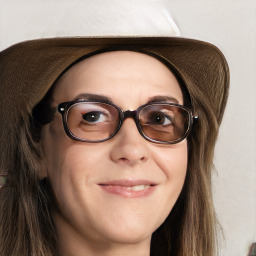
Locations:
{"points": [[89, 121]]}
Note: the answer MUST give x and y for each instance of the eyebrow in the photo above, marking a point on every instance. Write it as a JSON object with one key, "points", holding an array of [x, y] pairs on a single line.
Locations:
{"points": [[94, 97], [165, 99], [98, 97]]}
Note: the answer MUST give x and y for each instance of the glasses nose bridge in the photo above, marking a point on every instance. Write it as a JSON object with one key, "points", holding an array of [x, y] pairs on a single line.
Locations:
{"points": [[130, 114]]}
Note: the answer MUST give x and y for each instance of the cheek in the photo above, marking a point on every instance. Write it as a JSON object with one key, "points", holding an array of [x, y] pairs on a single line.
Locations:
{"points": [[172, 161], [68, 167], [68, 161], [56, 148]]}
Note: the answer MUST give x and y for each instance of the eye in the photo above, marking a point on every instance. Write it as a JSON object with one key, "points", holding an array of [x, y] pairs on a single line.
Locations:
{"points": [[159, 118], [94, 117]]}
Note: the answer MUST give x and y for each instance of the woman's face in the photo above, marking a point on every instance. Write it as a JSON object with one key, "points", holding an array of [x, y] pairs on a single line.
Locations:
{"points": [[101, 189]]}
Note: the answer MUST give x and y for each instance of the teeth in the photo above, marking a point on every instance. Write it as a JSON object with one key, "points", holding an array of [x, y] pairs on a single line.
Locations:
{"points": [[137, 188]]}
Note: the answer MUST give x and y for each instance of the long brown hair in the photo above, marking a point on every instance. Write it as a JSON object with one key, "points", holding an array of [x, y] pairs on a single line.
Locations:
{"points": [[26, 225]]}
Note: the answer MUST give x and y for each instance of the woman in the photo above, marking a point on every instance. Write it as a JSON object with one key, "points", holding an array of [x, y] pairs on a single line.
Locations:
{"points": [[107, 146]]}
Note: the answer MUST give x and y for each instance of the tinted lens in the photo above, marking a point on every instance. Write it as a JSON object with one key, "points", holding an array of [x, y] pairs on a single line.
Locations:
{"points": [[92, 121], [163, 122]]}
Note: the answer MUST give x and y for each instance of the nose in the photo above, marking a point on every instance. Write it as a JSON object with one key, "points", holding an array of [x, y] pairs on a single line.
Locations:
{"points": [[129, 146]]}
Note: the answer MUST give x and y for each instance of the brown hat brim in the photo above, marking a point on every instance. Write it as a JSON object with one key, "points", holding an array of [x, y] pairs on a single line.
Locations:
{"points": [[28, 69]]}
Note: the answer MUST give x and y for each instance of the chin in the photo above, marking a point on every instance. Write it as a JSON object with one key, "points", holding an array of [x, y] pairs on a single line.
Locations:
{"points": [[131, 232]]}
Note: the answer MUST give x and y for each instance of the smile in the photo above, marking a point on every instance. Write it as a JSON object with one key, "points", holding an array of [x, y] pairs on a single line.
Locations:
{"points": [[137, 188], [129, 189]]}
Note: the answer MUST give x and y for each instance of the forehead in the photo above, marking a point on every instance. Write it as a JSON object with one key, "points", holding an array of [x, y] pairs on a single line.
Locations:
{"points": [[118, 73]]}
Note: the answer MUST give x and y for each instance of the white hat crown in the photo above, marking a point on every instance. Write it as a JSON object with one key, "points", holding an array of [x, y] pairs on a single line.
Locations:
{"points": [[23, 20]]}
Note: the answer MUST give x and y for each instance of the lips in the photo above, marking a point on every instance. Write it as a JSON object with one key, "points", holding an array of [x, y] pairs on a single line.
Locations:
{"points": [[138, 187], [129, 188]]}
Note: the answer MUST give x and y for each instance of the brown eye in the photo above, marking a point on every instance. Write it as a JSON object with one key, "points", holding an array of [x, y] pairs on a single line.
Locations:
{"points": [[158, 118], [94, 117]]}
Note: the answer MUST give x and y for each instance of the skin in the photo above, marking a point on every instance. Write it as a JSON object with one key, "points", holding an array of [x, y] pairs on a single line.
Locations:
{"points": [[89, 220]]}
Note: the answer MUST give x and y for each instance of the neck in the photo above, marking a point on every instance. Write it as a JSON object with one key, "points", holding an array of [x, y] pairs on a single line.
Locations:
{"points": [[76, 249]]}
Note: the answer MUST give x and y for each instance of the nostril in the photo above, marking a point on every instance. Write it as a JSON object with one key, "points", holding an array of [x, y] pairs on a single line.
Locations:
{"points": [[143, 159], [124, 159]]}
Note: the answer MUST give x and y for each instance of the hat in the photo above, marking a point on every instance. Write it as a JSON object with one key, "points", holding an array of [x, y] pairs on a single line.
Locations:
{"points": [[69, 30]]}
